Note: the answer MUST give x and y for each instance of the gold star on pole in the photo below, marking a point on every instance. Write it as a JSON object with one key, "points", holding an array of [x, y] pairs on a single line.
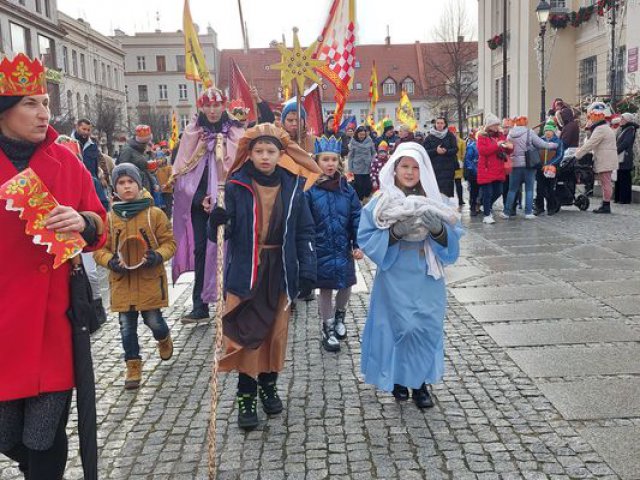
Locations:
{"points": [[298, 64]]}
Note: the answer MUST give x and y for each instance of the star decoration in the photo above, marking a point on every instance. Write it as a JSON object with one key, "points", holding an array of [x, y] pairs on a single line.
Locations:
{"points": [[298, 64]]}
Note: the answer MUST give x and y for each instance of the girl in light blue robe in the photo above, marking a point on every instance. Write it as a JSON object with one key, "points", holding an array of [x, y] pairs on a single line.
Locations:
{"points": [[410, 232]]}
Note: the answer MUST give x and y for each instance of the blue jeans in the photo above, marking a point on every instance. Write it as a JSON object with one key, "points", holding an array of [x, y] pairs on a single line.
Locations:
{"points": [[129, 330], [519, 175], [490, 193]]}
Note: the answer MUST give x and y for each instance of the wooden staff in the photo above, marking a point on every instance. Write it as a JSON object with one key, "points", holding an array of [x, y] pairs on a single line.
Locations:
{"points": [[217, 350]]}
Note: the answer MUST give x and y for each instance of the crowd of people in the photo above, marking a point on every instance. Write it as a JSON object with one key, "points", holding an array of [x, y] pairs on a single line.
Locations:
{"points": [[297, 211]]}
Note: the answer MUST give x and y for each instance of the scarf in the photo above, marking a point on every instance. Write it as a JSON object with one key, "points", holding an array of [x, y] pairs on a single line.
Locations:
{"points": [[260, 178], [437, 133], [19, 152], [127, 210], [332, 183]]}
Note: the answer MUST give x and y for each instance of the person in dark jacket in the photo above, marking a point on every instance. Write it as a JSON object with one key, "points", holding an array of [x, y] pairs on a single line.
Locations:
{"points": [[442, 147], [329, 126], [470, 173], [335, 208], [568, 125], [134, 152], [625, 141], [271, 256]]}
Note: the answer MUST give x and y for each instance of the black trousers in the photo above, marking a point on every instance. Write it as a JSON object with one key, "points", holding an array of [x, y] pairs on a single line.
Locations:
{"points": [[623, 192], [168, 204], [458, 182], [545, 190], [44, 464], [474, 191], [362, 185], [199, 220]]}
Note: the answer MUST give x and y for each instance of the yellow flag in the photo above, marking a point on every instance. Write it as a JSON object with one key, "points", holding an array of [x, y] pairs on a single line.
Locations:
{"points": [[405, 114], [195, 63], [373, 88], [173, 140]]}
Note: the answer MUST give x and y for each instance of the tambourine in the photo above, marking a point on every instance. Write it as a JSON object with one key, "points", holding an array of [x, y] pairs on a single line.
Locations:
{"points": [[131, 251]]}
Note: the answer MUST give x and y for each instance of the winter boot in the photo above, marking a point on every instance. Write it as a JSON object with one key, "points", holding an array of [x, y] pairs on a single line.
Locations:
{"points": [[604, 208], [101, 314], [165, 348], [134, 374], [339, 328], [268, 392], [422, 398], [400, 393], [329, 340], [195, 316], [247, 402]]}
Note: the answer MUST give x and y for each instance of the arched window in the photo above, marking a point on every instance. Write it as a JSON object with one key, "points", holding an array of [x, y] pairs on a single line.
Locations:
{"points": [[79, 104], [87, 107], [389, 87], [70, 111], [409, 86]]}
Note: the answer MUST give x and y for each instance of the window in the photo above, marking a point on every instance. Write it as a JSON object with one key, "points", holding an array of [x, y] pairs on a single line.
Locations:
{"points": [[182, 91], [409, 86], [70, 104], [588, 76], [47, 51], [19, 39], [47, 8], [161, 63], [96, 72], [620, 71], [184, 121], [416, 113], [388, 87], [496, 97], [357, 64], [382, 113], [363, 114], [104, 74], [358, 86], [109, 76], [79, 104], [83, 66], [39, 6], [74, 62], [180, 63], [87, 107], [116, 77], [126, 93], [142, 64], [65, 59], [143, 93], [162, 92]]}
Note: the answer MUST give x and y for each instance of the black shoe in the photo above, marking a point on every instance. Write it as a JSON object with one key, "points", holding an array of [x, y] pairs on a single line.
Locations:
{"points": [[247, 411], [473, 213], [195, 316], [400, 393], [539, 211], [422, 398], [307, 296], [271, 403], [604, 208], [339, 327], [329, 340]]}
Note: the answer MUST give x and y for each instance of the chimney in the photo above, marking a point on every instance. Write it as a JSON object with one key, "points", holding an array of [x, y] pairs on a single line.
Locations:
{"points": [[387, 39]]}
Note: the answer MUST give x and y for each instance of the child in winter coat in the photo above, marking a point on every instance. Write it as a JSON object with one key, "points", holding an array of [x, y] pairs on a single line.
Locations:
{"points": [[271, 257], [471, 173], [546, 176], [336, 212], [378, 163], [139, 241]]}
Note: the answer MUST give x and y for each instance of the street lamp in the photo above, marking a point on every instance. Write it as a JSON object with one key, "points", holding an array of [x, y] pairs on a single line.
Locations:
{"points": [[542, 12]]}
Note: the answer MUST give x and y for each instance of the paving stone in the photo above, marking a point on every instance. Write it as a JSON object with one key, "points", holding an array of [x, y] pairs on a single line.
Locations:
{"points": [[512, 293], [535, 310], [592, 274], [595, 398], [562, 332], [573, 362], [507, 278], [610, 289], [614, 264], [456, 274], [630, 248], [627, 305], [620, 448], [529, 262], [591, 251]]}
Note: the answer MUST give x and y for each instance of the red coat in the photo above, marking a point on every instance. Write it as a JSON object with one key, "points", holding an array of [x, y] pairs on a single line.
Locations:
{"points": [[490, 166], [35, 334]]}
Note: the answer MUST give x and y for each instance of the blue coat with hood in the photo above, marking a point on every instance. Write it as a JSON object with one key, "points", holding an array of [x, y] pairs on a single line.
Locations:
{"points": [[298, 244], [337, 217]]}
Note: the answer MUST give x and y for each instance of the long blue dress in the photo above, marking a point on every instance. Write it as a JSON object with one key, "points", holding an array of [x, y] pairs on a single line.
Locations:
{"points": [[403, 340]]}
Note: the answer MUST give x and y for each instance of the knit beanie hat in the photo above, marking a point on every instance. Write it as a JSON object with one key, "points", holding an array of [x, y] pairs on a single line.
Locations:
{"points": [[126, 170], [629, 117], [143, 134], [491, 120], [550, 126], [7, 102], [291, 106]]}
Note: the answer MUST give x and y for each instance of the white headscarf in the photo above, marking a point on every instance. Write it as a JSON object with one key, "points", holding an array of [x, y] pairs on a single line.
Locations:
{"points": [[393, 205]]}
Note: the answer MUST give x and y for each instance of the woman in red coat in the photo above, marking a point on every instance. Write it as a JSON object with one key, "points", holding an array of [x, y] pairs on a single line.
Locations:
{"points": [[492, 150], [37, 376]]}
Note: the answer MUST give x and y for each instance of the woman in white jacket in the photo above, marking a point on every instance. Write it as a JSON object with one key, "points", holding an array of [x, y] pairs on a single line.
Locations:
{"points": [[602, 143]]}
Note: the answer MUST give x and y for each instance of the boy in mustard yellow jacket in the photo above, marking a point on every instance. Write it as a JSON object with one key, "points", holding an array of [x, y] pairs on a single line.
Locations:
{"points": [[139, 241]]}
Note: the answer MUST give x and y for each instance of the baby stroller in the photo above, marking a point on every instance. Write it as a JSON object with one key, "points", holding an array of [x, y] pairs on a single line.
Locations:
{"points": [[574, 180]]}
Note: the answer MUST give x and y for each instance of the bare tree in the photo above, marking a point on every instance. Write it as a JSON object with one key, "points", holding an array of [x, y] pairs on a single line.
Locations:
{"points": [[158, 119], [108, 119], [452, 63]]}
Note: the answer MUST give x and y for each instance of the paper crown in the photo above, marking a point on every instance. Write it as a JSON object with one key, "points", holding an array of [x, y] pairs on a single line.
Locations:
{"points": [[239, 105], [209, 96], [143, 131], [328, 145], [383, 146], [22, 77]]}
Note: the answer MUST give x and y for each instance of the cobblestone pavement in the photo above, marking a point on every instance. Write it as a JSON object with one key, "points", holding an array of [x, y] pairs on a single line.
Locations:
{"points": [[542, 377]]}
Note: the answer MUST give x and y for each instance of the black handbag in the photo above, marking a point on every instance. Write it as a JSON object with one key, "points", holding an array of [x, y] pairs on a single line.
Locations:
{"points": [[531, 155], [82, 312]]}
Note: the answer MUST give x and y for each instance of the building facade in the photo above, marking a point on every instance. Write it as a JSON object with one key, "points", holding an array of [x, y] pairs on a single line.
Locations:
{"points": [[154, 76], [577, 58]]}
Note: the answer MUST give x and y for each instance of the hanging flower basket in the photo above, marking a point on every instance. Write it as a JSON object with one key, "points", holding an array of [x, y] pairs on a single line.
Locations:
{"points": [[559, 20], [495, 41]]}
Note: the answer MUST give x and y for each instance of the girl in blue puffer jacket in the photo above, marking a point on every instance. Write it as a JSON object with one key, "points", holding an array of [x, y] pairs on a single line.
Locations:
{"points": [[336, 212]]}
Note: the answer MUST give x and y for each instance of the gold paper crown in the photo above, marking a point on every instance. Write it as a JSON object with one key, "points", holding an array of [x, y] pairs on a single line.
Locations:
{"points": [[22, 77]]}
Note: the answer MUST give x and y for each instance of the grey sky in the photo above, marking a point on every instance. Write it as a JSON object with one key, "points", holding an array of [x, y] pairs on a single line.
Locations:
{"points": [[409, 20]]}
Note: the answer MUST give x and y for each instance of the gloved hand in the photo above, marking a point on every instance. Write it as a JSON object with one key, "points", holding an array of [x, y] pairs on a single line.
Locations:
{"points": [[114, 265], [218, 216], [306, 285], [152, 259], [433, 222], [403, 228]]}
